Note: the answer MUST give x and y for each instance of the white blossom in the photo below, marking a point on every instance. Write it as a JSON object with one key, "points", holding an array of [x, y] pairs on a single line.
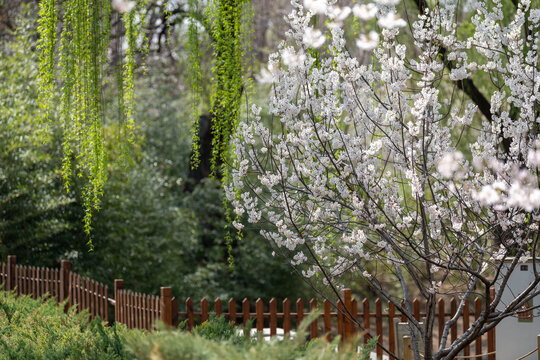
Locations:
{"points": [[339, 14], [390, 21], [368, 42], [316, 6], [292, 58], [123, 6], [313, 37], [378, 162], [450, 164], [365, 11]]}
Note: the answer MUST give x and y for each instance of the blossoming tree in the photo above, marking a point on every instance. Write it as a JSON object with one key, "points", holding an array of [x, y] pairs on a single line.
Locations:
{"points": [[402, 162]]}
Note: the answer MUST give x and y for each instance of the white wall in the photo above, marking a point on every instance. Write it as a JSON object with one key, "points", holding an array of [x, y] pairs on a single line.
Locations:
{"points": [[515, 338]]}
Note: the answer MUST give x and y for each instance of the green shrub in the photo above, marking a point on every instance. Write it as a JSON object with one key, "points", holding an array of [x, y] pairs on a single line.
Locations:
{"points": [[218, 328], [39, 329], [203, 344]]}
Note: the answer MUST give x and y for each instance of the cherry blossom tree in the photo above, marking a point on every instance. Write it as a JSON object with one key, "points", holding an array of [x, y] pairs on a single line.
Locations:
{"points": [[402, 164]]}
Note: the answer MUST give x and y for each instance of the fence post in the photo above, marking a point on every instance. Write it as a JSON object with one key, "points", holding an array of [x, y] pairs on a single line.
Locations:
{"points": [[348, 325], [118, 285], [65, 270], [491, 333], [407, 348], [165, 304], [538, 346], [11, 264]]}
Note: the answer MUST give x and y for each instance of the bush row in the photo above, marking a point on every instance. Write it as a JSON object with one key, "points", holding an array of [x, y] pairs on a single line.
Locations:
{"points": [[39, 329]]}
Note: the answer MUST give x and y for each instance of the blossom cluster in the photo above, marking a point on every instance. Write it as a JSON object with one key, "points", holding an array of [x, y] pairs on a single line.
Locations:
{"points": [[397, 162]]}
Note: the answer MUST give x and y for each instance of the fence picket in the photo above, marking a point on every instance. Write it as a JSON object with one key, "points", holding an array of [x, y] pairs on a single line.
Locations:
{"points": [[299, 312], [19, 280], [365, 304], [106, 302], [245, 311], [467, 350], [391, 334], [35, 282], [87, 294], [38, 281], [157, 309], [27, 285], [43, 279], [47, 288], [478, 342], [378, 326], [189, 311], [142, 312], [80, 293], [232, 311], [133, 314], [125, 312], [340, 325], [76, 290], [354, 306], [218, 307], [259, 308], [416, 309], [150, 312], [327, 320], [453, 311], [313, 327], [99, 300], [346, 295], [129, 308], [204, 310], [93, 297], [138, 311], [273, 316], [491, 333], [440, 318], [286, 316]]}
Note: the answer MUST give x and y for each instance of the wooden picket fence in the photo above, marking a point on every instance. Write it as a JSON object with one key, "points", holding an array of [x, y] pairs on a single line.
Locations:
{"points": [[142, 311]]}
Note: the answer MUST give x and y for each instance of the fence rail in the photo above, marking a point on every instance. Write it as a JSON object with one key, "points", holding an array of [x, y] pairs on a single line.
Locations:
{"points": [[141, 311]]}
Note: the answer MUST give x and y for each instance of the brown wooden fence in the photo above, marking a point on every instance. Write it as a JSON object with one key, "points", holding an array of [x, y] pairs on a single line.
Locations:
{"points": [[141, 311]]}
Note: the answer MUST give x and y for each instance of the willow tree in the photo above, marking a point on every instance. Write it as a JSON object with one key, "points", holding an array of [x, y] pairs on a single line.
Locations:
{"points": [[74, 44], [74, 63]]}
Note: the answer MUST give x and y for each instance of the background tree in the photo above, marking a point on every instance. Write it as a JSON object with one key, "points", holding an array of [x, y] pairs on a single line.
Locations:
{"points": [[150, 230]]}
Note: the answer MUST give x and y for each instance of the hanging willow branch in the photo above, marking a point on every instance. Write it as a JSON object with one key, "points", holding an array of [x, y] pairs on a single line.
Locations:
{"points": [[227, 94], [74, 73], [229, 25], [195, 77]]}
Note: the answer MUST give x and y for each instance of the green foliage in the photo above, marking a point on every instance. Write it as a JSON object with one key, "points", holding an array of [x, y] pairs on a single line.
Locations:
{"points": [[167, 345], [37, 218], [225, 20], [218, 328], [227, 93], [79, 81], [39, 329], [152, 232], [195, 78]]}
